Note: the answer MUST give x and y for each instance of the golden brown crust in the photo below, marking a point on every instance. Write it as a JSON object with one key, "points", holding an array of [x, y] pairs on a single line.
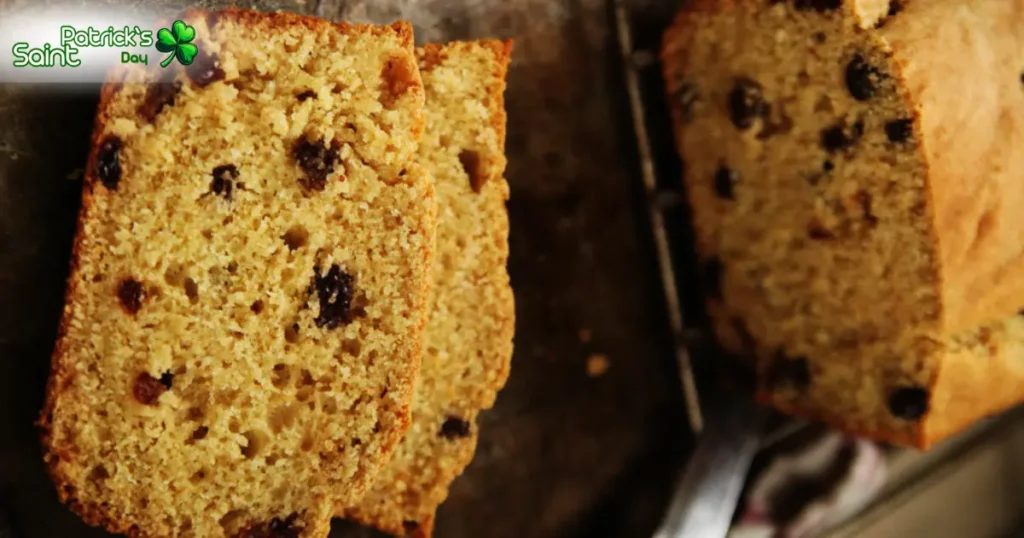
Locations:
{"points": [[973, 179], [425, 529], [63, 371], [975, 379], [59, 374]]}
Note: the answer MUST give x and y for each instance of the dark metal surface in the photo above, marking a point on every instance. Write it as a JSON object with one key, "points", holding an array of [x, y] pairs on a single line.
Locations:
{"points": [[729, 424], [635, 61], [562, 454]]}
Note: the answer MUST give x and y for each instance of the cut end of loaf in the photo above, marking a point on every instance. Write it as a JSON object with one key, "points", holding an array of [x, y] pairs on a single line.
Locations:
{"points": [[249, 283], [810, 204], [825, 160]]}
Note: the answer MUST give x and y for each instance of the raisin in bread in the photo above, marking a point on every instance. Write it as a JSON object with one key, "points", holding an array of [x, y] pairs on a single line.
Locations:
{"points": [[468, 341], [851, 168], [249, 283]]}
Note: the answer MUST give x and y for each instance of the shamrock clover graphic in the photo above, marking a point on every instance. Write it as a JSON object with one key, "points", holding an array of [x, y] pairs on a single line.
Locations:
{"points": [[177, 41]]}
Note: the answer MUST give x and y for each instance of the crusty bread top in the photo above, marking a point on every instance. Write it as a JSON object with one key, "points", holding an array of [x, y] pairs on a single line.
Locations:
{"points": [[249, 282], [962, 65], [468, 342]]}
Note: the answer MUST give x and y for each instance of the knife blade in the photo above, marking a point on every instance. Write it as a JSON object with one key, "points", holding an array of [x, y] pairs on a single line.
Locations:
{"points": [[709, 491]]}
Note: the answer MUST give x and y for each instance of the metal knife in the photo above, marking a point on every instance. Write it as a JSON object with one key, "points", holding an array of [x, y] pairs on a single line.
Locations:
{"points": [[707, 496]]}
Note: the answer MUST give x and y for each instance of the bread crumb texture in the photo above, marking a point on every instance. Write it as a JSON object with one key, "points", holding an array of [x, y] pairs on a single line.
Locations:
{"points": [[468, 342], [598, 364], [244, 315]]}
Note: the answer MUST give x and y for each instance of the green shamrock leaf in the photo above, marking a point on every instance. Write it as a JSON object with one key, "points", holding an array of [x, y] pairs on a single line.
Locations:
{"points": [[186, 53], [165, 42], [183, 32], [178, 42]]}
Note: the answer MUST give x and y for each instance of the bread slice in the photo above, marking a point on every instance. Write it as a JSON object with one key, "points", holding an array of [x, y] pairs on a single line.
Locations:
{"points": [[850, 170], [245, 309], [468, 342]]}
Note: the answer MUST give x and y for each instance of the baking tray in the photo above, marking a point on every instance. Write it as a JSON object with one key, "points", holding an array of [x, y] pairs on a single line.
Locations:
{"points": [[563, 453]]}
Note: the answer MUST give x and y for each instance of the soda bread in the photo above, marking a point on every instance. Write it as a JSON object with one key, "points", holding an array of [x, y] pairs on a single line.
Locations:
{"points": [[468, 341], [249, 283], [853, 169]]}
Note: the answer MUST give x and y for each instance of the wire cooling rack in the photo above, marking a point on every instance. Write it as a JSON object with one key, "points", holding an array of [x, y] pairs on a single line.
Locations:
{"points": [[661, 175]]}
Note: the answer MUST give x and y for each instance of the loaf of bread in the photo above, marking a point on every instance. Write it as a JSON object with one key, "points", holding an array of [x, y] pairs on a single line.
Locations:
{"points": [[249, 283], [468, 341], [852, 169]]}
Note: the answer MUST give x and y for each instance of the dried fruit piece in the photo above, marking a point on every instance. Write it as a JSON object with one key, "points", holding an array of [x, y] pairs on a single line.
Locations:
{"points": [[224, 177], [131, 294], [839, 137], [108, 162], [746, 103], [834, 138], [147, 389], [725, 180], [895, 6], [454, 428], [908, 403], [205, 70], [862, 78], [334, 291], [158, 96], [899, 130], [317, 161], [471, 164]]}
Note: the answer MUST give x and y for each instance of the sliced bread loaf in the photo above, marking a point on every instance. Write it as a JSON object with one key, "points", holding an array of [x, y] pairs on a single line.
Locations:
{"points": [[468, 342], [249, 282], [851, 168]]}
